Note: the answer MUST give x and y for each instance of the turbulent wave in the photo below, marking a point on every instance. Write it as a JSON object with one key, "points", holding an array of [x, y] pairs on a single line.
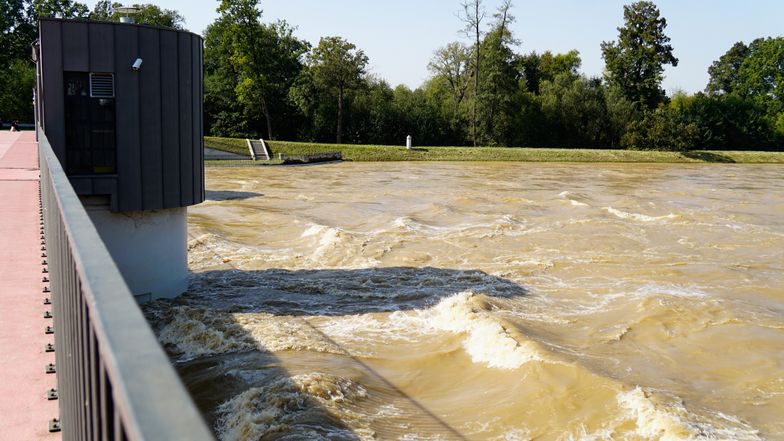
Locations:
{"points": [[485, 307], [319, 405], [574, 199], [486, 339], [300, 407], [195, 332], [657, 417], [638, 216]]}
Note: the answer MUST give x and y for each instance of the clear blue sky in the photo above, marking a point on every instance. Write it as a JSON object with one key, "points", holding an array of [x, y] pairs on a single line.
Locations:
{"points": [[399, 36]]}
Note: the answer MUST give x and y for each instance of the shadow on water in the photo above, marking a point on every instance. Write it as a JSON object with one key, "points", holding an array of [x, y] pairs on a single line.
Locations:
{"points": [[709, 157], [296, 295], [338, 292], [227, 195]]}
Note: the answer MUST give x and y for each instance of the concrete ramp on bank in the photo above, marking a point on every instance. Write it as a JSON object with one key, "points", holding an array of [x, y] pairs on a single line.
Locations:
{"points": [[258, 149]]}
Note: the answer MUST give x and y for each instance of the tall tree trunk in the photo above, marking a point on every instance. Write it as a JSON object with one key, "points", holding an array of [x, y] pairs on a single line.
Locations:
{"points": [[477, 33], [491, 123], [340, 115], [474, 14], [267, 116]]}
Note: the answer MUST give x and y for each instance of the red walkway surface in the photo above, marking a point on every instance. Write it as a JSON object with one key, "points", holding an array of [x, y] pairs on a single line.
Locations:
{"points": [[24, 409]]}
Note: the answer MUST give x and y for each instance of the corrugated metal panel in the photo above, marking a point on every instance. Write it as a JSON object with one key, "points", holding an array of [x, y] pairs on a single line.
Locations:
{"points": [[75, 40], [203, 195], [101, 47], [196, 119], [170, 120], [151, 155], [52, 66], [127, 104], [186, 119]]}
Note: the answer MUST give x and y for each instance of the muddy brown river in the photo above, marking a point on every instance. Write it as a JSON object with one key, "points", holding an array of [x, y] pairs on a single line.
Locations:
{"points": [[485, 301]]}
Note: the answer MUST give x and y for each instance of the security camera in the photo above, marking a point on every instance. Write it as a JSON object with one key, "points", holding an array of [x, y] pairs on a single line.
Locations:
{"points": [[137, 64]]}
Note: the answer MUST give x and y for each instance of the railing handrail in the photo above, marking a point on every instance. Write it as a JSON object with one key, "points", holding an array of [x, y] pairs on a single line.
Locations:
{"points": [[148, 394]]}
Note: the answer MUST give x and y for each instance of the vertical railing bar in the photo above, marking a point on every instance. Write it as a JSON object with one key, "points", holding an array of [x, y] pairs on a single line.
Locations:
{"points": [[118, 426], [108, 409], [67, 332], [104, 402], [59, 299], [67, 292], [61, 333], [77, 311], [94, 402], [71, 390], [73, 401], [87, 374], [82, 372]]}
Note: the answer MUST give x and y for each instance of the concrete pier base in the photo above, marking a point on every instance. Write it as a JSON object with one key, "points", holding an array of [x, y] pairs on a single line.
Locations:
{"points": [[149, 247]]}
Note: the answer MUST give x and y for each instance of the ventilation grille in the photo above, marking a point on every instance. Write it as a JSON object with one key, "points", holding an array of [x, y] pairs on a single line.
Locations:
{"points": [[101, 85]]}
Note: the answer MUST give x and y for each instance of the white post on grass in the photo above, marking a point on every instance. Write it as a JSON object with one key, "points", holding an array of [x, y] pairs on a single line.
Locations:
{"points": [[408, 142]]}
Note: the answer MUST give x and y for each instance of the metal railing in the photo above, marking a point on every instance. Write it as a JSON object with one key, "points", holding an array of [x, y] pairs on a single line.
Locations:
{"points": [[114, 380]]}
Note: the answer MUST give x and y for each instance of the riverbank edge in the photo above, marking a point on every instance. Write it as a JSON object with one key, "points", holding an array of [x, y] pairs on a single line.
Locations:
{"points": [[379, 153]]}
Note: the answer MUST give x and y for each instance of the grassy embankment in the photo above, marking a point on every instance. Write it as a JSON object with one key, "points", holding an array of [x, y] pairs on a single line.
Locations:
{"points": [[397, 153]]}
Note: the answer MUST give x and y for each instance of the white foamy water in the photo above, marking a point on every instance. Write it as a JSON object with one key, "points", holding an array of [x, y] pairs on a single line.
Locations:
{"points": [[637, 216], [485, 302], [486, 339]]}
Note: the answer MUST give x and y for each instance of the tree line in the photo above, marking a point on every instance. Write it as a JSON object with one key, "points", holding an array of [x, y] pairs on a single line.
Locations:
{"points": [[263, 81]]}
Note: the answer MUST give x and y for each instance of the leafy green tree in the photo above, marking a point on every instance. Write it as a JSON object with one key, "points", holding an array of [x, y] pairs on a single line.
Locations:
{"points": [[284, 60], [265, 59], [148, 14], [473, 15], [338, 66], [635, 63], [372, 117], [18, 30], [223, 114], [545, 67], [239, 41], [661, 129], [620, 114], [752, 73], [726, 121], [103, 10], [16, 85], [576, 109], [418, 115], [58, 9], [453, 63], [725, 72], [453, 127], [501, 90], [762, 73]]}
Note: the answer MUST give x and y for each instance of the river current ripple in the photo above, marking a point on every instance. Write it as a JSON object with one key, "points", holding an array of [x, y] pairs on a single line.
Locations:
{"points": [[485, 301]]}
